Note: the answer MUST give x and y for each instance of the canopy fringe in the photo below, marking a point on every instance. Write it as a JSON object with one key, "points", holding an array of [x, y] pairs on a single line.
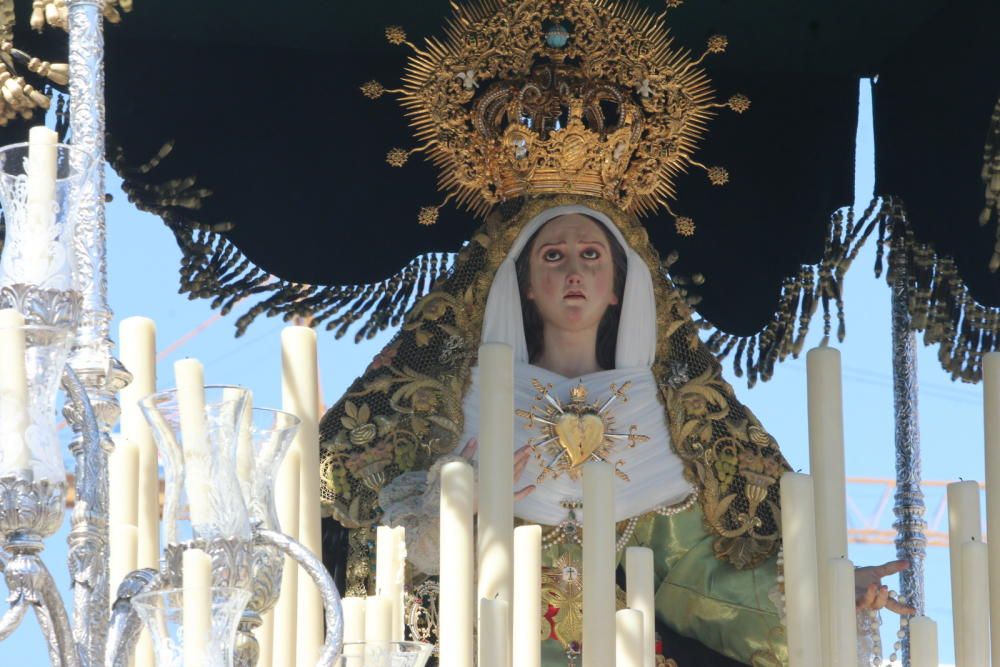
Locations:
{"points": [[940, 303], [214, 268], [802, 294]]}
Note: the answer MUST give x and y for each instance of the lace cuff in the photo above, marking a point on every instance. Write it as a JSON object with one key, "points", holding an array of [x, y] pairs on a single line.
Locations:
{"points": [[413, 500]]}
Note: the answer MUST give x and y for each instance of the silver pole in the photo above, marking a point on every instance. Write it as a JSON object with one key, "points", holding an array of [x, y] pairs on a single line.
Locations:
{"points": [[911, 543], [101, 375]]}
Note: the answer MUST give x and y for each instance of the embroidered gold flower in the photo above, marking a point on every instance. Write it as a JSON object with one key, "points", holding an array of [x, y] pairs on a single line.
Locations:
{"points": [[424, 401], [384, 358], [360, 431], [695, 404], [372, 461]]}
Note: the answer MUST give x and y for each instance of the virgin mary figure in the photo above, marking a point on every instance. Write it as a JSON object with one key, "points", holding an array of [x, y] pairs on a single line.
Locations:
{"points": [[561, 122], [701, 491]]}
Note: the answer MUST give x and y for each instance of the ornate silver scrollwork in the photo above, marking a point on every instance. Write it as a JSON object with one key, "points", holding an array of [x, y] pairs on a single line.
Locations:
{"points": [[125, 623], [48, 307], [231, 560]]}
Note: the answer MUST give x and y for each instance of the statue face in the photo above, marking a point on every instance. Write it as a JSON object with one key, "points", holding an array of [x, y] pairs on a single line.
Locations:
{"points": [[571, 273]]}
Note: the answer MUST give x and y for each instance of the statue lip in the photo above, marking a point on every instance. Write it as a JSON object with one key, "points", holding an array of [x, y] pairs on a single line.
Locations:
{"points": [[574, 294]]}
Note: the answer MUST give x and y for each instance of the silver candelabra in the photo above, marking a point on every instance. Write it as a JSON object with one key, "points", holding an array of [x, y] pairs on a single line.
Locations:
{"points": [[32, 500]]}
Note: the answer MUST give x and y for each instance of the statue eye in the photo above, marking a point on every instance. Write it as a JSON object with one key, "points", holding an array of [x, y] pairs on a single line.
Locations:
{"points": [[590, 253], [552, 255]]}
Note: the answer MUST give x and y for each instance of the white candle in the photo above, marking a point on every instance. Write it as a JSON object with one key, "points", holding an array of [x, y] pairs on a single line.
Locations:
{"points": [[973, 634], [964, 525], [39, 207], [378, 619], [122, 555], [826, 465], [123, 483], [630, 638], [354, 624], [265, 640], [641, 597], [991, 423], [495, 535], [923, 642], [390, 564], [13, 393], [494, 638], [527, 628], [287, 503], [244, 450], [300, 396], [456, 610], [138, 354], [190, 377], [598, 564], [41, 166], [197, 611], [842, 614], [798, 534]]}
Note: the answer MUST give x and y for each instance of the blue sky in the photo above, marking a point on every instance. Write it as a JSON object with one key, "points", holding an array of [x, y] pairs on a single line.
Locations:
{"points": [[143, 261]]}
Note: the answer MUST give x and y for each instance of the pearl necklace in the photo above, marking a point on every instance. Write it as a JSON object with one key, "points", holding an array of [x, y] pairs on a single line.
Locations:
{"points": [[571, 529]]}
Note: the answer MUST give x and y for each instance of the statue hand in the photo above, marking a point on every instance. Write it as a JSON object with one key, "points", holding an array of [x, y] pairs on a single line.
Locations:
{"points": [[521, 457], [869, 593]]}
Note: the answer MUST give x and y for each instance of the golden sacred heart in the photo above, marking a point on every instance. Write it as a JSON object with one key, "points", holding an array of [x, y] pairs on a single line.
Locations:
{"points": [[575, 433], [580, 435]]}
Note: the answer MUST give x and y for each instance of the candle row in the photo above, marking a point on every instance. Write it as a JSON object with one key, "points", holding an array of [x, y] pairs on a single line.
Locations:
{"points": [[814, 538], [134, 482]]}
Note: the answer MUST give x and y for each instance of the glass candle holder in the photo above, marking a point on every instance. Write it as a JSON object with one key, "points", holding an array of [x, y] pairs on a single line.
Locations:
{"points": [[384, 654], [162, 612], [37, 268], [32, 359], [202, 498], [271, 433]]}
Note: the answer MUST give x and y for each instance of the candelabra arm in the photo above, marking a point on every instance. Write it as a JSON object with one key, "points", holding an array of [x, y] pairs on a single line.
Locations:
{"points": [[31, 585], [12, 618], [125, 623], [332, 611], [55, 626], [77, 394]]}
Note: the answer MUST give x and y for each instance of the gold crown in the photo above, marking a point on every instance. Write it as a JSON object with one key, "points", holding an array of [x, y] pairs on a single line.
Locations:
{"points": [[543, 96]]}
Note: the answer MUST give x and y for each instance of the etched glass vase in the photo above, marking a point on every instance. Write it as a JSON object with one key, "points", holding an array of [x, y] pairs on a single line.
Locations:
{"points": [[162, 612], [37, 266], [202, 500], [384, 654], [32, 359], [271, 433]]}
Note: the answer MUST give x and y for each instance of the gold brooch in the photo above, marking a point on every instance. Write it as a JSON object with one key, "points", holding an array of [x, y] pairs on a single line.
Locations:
{"points": [[577, 432]]}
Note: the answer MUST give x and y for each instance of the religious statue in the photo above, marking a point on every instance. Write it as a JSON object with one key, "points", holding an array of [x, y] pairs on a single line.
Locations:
{"points": [[561, 122]]}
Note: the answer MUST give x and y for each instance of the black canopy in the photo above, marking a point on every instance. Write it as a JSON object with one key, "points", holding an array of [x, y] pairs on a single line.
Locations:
{"points": [[277, 158]]}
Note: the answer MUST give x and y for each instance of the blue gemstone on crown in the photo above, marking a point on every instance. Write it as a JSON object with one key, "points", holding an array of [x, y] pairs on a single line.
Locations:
{"points": [[557, 36]]}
